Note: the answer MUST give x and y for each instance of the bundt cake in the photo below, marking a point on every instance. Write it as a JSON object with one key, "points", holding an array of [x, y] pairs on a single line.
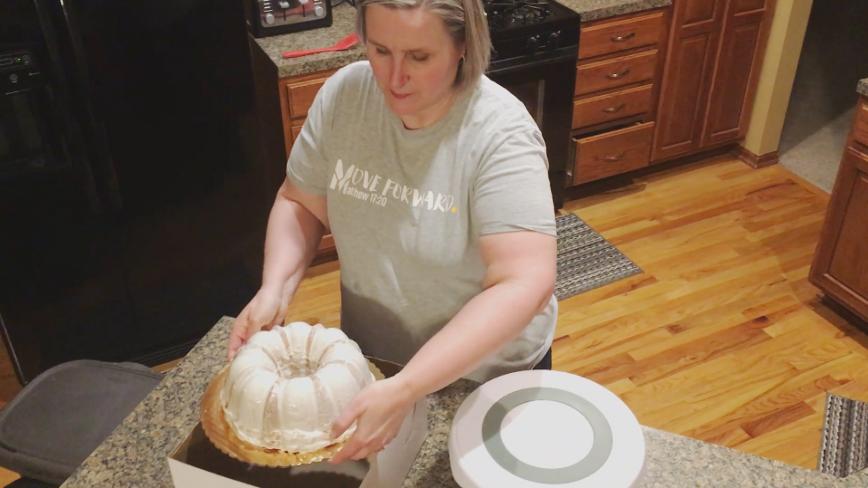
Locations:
{"points": [[287, 385]]}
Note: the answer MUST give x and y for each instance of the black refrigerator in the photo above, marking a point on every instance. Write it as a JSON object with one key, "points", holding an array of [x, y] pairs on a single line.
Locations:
{"points": [[133, 198]]}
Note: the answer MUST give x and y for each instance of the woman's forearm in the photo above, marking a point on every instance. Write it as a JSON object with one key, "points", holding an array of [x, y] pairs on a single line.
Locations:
{"points": [[485, 324], [291, 240]]}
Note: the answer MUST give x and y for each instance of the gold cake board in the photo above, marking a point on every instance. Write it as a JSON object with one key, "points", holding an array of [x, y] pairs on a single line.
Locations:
{"points": [[220, 434]]}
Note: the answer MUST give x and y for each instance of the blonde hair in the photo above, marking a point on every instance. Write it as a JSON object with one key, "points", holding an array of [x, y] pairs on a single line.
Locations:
{"points": [[464, 20]]}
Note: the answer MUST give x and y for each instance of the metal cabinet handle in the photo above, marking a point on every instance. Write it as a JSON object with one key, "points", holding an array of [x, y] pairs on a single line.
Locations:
{"points": [[616, 108], [623, 37], [614, 158], [620, 74]]}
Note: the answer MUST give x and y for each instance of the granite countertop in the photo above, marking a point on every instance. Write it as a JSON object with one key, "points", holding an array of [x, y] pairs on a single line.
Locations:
{"points": [[603, 9], [343, 23], [862, 87], [134, 455]]}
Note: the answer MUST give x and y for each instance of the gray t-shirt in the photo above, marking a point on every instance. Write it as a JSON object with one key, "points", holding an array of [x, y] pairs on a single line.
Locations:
{"points": [[407, 208]]}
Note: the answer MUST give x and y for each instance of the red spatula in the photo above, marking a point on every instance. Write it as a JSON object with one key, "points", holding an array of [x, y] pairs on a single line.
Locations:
{"points": [[343, 44]]}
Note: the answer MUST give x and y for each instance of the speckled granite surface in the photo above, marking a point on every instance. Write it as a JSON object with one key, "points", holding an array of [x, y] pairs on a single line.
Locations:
{"points": [[134, 455], [862, 88], [343, 22], [602, 9]]}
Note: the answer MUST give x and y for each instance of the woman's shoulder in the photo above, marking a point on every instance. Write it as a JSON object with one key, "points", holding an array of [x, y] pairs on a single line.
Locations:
{"points": [[354, 74], [490, 89], [496, 109], [346, 85], [358, 69]]}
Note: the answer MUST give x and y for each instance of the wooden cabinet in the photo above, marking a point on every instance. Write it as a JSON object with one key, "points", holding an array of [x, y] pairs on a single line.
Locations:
{"points": [[296, 96], [715, 53], [610, 106], [687, 76], [612, 152], [620, 34], [282, 105], [617, 72], [840, 265], [617, 75], [860, 131], [736, 73]]}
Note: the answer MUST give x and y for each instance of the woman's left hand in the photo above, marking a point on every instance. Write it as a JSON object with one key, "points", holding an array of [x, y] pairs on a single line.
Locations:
{"points": [[378, 411]]}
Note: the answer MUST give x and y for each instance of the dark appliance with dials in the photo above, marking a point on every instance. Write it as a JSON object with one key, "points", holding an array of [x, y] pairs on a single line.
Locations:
{"points": [[272, 17]]}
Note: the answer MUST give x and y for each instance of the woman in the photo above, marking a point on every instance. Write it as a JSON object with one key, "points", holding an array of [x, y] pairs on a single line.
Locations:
{"points": [[433, 182]]}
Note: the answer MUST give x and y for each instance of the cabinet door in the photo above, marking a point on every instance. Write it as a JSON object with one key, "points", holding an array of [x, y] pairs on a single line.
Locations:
{"points": [[841, 265], [296, 97], [736, 71], [690, 61]]}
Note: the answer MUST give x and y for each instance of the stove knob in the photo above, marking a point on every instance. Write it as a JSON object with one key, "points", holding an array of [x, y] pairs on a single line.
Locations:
{"points": [[533, 43], [555, 39], [269, 18]]}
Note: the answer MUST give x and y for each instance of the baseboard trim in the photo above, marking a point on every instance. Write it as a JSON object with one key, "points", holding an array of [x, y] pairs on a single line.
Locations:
{"points": [[756, 161]]}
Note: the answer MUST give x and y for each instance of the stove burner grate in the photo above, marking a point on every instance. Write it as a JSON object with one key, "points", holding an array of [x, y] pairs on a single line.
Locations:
{"points": [[502, 13]]}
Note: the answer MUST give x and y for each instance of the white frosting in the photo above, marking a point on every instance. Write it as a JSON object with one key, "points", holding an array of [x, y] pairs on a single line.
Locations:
{"points": [[287, 385]]}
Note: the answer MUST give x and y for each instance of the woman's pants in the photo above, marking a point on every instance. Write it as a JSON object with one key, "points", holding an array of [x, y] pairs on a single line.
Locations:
{"points": [[545, 362]]}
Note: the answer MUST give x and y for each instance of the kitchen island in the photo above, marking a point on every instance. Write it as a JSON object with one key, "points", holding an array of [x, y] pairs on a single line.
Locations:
{"points": [[135, 454]]}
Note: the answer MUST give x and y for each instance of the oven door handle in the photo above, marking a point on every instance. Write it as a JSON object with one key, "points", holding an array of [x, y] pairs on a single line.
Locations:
{"points": [[566, 54]]}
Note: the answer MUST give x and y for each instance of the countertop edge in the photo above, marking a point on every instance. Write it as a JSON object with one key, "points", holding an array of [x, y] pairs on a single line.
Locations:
{"points": [[135, 454], [591, 13]]}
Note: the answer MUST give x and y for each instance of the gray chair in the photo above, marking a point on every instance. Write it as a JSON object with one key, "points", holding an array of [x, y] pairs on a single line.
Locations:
{"points": [[61, 416]]}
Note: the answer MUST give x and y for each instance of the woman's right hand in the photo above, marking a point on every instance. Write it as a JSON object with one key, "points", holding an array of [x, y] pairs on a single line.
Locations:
{"points": [[266, 309]]}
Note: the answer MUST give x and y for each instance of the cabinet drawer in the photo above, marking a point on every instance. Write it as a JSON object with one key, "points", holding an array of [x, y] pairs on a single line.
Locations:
{"points": [[299, 96], [294, 131], [611, 106], [860, 130], [612, 152], [611, 36], [612, 73]]}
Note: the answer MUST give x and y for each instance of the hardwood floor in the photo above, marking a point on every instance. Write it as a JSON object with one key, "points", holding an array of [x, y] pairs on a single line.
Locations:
{"points": [[721, 338]]}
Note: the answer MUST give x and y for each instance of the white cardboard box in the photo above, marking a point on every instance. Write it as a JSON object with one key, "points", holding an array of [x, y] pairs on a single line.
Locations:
{"points": [[197, 463]]}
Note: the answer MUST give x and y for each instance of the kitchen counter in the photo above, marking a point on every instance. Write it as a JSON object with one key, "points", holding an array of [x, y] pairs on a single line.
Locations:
{"points": [[862, 87], [343, 23], [603, 9], [134, 455]]}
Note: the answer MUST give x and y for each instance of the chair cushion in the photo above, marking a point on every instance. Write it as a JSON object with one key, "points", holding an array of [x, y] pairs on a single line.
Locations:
{"points": [[61, 416]]}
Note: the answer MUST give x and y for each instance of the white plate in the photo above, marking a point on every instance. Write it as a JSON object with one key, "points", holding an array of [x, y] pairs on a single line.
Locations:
{"points": [[544, 429]]}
